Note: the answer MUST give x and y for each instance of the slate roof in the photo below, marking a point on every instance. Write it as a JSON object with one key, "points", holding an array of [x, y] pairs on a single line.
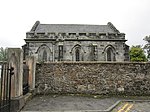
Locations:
{"points": [[73, 28]]}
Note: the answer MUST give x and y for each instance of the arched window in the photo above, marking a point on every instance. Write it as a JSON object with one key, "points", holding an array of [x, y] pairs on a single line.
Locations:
{"points": [[77, 53], [110, 55], [44, 55]]}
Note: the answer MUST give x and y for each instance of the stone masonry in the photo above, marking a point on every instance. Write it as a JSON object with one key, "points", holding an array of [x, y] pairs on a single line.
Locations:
{"points": [[93, 78]]}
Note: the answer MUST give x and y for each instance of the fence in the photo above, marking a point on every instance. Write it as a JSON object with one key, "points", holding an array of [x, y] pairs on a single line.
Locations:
{"points": [[5, 87]]}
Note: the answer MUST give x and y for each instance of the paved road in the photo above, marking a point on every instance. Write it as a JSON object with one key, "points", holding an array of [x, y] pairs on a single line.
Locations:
{"points": [[68, 103], [133, 107]]}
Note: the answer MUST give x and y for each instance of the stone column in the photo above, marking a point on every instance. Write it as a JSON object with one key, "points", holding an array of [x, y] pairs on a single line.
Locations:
{"points": [[31, 62], [15, 59]]}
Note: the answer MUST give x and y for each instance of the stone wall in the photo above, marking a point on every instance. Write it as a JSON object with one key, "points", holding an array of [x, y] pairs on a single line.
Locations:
{"points": [[93, 78]]}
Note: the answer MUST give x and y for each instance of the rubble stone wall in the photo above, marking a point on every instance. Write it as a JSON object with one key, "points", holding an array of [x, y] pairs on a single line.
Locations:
{"points": [[93, 78]]}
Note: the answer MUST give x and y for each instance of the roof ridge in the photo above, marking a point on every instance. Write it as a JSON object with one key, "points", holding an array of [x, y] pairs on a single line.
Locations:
{"points": [[38, 27], [76, 24]]}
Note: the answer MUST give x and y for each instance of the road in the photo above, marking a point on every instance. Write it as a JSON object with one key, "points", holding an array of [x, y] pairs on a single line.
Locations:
{"points": [[133, 107]]}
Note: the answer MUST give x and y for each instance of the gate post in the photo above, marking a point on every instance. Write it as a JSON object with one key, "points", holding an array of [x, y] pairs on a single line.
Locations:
{"points": [[15, 59], [31, 62]]}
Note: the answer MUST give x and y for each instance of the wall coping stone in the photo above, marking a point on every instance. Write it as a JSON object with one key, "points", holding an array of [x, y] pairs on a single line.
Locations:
{"points": [[92, 62]]}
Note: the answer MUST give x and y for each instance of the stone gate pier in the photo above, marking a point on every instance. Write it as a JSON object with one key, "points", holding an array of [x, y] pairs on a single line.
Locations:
{"points": [[15, 60]]}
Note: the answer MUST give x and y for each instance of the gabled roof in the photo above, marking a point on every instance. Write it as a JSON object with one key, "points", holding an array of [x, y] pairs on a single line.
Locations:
{"points": [[73, 28]]}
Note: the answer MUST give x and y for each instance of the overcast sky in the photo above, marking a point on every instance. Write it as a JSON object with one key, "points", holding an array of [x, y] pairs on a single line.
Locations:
{"points": [[17, 17]]}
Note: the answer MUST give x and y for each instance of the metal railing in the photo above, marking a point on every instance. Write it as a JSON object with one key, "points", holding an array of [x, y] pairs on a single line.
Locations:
{"points": [[5, 87]]}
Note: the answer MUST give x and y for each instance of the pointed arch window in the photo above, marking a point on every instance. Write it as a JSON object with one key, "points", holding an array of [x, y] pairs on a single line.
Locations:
{"points": [[77, 53], [44, 55], [109, 54]]}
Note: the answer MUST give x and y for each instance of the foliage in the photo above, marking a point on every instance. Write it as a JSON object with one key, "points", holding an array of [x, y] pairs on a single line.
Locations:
{"points": [[147, 46], [137, 54], [3, 54]]}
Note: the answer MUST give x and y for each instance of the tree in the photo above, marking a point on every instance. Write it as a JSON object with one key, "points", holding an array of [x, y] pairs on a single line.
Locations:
{"points": [[3, 54], [137, 54], [147, 46]]}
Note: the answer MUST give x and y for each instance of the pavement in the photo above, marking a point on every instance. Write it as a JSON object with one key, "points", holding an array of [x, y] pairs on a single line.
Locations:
{"points": [[60, 103], [69, 103]]}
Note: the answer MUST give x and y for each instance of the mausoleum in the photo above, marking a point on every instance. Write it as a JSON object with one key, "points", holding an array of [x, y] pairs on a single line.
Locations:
{"points": [[76, 42]]}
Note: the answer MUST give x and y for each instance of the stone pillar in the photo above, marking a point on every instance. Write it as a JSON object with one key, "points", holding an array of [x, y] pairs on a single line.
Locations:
{"points": [[31, 62], [15, 59]]}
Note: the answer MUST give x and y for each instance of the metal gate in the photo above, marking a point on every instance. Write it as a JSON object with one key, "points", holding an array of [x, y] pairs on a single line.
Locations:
{"points": [[25, 79], [5, 87]]}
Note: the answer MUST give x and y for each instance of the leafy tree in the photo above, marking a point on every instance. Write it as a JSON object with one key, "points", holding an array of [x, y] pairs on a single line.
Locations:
{"points": [[3, 54], [147, 46], [137, 54]]}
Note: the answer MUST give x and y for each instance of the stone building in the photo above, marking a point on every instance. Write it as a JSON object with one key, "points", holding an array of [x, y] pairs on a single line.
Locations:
{"points": [[76, 42]]}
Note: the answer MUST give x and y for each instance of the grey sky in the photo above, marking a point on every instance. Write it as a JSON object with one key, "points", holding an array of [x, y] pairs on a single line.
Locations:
{"points": [[131, 17]]}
